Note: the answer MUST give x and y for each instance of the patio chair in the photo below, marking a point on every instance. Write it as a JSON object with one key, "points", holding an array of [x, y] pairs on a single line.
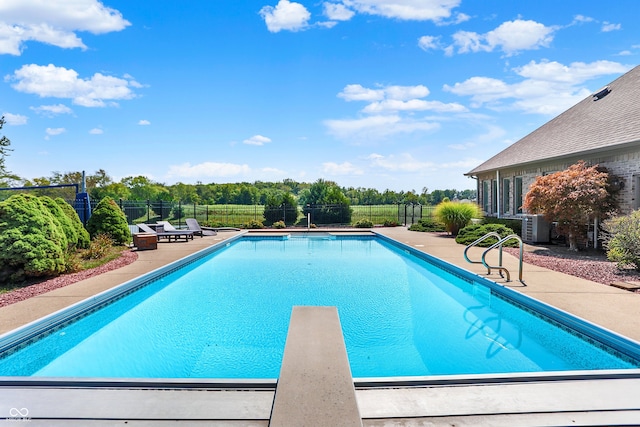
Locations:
{"points": [[167, 226], [192, 224], [161, 233]]}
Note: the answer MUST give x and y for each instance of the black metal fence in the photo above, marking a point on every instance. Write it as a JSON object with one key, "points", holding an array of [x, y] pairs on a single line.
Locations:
{"points": [[239, 215]]}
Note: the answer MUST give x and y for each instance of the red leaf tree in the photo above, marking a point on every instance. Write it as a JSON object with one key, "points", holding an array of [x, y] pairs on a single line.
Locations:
{"points": [[572, 197]]}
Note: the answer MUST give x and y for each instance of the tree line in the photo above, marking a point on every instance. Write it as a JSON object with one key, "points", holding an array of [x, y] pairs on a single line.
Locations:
{"points": [[141, 188]]}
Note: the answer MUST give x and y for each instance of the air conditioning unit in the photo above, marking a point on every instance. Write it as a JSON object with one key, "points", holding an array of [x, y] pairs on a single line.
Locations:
{"points": [[535, 229]]}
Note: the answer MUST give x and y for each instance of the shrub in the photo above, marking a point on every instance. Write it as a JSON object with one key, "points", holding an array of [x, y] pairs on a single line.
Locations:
{"points": [[390, 223], [456, 215], [274, 210], [32, 242], [327, 203], [211, 223], [77, 236], [65, 223], [623, 240], [279, 224], [428, 225], [99, 247], [572, 198], [83, 239], [329, 214], [72, 263], [253, 224], [108, 218], [363, 223], [471, 233], [514, 224]]}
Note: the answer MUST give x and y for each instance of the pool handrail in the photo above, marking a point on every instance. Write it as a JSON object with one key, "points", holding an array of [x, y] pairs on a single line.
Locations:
{"points": [[486, 236], [500, 267]]}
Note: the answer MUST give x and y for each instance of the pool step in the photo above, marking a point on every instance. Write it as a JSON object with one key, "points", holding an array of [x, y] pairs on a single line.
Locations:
{"points": [[315, 387]]}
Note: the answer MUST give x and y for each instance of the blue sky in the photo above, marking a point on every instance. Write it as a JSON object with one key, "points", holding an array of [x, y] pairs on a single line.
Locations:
{"points": [[389, 94]]}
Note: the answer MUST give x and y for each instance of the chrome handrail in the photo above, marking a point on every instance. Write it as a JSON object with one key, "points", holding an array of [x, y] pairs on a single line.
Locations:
{"points": [[500, 267], [490, 234]]}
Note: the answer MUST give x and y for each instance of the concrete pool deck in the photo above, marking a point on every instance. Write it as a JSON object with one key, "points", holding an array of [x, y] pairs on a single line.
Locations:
{"points": [[561, 401]]}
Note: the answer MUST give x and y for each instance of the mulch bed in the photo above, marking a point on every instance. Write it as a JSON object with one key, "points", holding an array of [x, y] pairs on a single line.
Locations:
{"points": [[21, 294], [591, 265]]}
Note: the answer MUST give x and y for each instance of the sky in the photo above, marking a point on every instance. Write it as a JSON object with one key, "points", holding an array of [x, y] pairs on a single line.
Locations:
{"points": [[386, 94]]}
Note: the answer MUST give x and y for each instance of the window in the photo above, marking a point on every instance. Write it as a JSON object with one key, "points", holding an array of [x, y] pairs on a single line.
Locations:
{"points": [[506, 184], [517, 195], [636, 192], [494, 196], [485, 196]]}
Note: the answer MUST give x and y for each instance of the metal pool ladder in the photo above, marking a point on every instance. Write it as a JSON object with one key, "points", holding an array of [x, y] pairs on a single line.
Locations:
{"points": [[498, 244]]}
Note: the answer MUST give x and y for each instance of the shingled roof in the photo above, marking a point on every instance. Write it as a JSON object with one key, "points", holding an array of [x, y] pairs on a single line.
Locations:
{"points": [[590, 126]]}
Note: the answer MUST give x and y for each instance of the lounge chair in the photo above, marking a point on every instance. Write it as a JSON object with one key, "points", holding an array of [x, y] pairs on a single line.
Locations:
{"points": [[167, 226], [161, 233], [192, 224]]}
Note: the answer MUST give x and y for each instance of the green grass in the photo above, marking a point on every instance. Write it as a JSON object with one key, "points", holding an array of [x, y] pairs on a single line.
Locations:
{"points": [[237, 215]]}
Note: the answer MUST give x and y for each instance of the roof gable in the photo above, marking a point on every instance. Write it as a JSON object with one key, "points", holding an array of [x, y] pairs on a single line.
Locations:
{"points": [[591, 125]]}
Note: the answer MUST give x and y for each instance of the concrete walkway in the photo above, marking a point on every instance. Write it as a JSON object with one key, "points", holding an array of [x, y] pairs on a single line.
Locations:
{"points": [[605, 401]]}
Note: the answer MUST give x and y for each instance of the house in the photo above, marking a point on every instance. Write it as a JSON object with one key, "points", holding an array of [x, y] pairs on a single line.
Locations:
{"points": [[602, 129]]}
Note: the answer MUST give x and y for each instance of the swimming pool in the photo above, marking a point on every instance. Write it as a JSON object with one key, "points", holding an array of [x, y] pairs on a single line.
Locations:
{"points": [[225, 315]]}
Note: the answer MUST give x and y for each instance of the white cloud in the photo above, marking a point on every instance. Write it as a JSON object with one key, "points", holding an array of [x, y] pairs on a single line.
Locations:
{"points": [[429, 43], [390, 110], [396, 98], [52, 110], [404, 162], [345, 168], [54, 22], [414, 10], [257, 140], [459, 18], [273, 171], [461, 147], [375, 127], [337, 11], [285, 15], [510, 37], [14, 119], [576, 73], [208, 170], [292, 16], [547, 88], [608, 26], [413, 105], [364, 126], [359, 93], [54, 132], [96, 131], [406, 93], [580, 19], [60, 82], [144, 122]]}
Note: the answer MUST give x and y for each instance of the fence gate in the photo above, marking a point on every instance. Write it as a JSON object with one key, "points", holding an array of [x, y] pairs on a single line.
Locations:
{"points": [[409, 214]]}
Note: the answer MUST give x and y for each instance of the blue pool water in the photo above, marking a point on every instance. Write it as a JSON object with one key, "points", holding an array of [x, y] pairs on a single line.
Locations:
{"points": [[226, 316]]}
